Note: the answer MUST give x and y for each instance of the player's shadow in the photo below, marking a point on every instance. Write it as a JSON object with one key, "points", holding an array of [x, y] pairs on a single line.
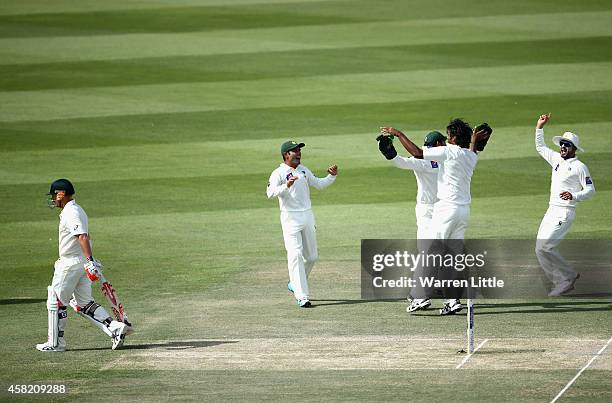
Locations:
{"points": [[332, 302], [18, 301], [171, 345], [543, 307]]}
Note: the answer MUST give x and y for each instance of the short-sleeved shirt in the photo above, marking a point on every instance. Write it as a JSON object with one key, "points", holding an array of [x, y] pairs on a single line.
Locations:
{"points": [[73, 222], [456, 169]]}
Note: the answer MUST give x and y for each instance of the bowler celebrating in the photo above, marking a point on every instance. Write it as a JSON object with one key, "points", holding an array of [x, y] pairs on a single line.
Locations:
{"points": [[290, 182], [570, 183]]}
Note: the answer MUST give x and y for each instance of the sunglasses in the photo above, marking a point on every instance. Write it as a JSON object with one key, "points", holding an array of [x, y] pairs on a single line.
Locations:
{"points": [[565, 144]]}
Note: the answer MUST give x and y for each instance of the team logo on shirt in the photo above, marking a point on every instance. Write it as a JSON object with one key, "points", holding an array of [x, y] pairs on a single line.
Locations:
{"points": [[434, 164], [289, 175], [588, 180]]}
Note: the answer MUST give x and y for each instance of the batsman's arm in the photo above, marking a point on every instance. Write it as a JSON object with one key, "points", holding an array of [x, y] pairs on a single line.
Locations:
{"points": [[85, 244], [412, 148], [92, 267]]}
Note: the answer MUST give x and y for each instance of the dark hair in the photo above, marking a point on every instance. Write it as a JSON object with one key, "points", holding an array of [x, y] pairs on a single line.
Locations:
{"points": [[460, 129]]}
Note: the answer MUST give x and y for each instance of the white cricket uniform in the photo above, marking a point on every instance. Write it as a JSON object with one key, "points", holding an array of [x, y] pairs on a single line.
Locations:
{"points": [[426, 173], [572, 176], [452, 210], [297, 221], [69, 277]]}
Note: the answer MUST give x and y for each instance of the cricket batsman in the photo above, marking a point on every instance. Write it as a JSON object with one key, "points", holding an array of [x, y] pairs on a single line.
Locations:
{"points": [[74, 272]]}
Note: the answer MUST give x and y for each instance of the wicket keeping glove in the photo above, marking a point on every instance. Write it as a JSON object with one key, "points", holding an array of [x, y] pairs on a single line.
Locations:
{"points": [[481, 144], [385, 145], [93, 268]]}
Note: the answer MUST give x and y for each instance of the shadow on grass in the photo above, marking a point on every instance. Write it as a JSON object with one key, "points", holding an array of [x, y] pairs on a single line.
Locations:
{"points": [[17, 301], [545, 307], [497, 308], [171, 345], [328, 302]]}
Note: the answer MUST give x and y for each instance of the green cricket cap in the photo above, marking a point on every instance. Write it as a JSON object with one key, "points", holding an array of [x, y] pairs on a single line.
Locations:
{"points": [[433, 137], [290, 145]]}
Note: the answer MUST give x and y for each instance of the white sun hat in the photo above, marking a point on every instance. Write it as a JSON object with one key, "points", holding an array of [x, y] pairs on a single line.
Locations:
{"points": [[568, 136]]}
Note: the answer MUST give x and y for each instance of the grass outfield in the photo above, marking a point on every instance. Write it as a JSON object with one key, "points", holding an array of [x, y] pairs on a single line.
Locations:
{"points": [[168, 117]]}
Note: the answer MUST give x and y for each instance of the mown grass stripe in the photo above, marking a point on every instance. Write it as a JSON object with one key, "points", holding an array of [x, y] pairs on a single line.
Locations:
{"points": [[211, 159], [191, 19], [321, 90], [306, 122], [169, 20], [243, 191], [81, 6], [304, 63], [412, 32]]}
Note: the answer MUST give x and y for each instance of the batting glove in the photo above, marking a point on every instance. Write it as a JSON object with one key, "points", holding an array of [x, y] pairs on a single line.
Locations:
{"points": [[93, 268]]}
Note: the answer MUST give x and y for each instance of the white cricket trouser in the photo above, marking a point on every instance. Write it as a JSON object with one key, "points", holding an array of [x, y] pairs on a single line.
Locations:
{"points": [[70, 279], [301, 244], [555, 224], [449, 221], [423, 213]]}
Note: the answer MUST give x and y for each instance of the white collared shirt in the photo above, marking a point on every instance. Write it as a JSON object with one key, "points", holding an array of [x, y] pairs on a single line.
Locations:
{"points": [[73, 222], [456, 168], [296, 197], [570, 175], [426, 173]]}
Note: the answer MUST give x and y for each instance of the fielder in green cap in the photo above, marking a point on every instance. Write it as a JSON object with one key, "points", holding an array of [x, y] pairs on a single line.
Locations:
{"points": [[426, 173], [290, 183]]}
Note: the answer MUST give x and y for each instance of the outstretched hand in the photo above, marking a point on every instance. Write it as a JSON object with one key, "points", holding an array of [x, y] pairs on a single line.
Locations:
{"points": [[390, 131], [543, 120], [333, 170]]}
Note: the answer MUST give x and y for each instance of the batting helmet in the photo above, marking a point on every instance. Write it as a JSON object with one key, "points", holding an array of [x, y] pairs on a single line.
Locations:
{"points": [[61, 185]]}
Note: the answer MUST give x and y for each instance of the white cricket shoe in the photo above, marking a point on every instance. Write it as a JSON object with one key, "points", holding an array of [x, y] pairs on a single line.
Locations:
{"points": [[451, 307], [50, 348], [118, 331], [418, 304], [563, 287]]}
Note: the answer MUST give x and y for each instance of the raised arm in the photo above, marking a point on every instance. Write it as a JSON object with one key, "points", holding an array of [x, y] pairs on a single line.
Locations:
{"points": [[412, 148], [540, 145], [414, 164]]}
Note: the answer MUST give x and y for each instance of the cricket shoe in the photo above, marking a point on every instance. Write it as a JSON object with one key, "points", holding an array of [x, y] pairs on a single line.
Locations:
{"points": [[451, 307], [564, 287], [50, 348], [290, 287], [304, 303], [418, 304], [118, 331]]}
